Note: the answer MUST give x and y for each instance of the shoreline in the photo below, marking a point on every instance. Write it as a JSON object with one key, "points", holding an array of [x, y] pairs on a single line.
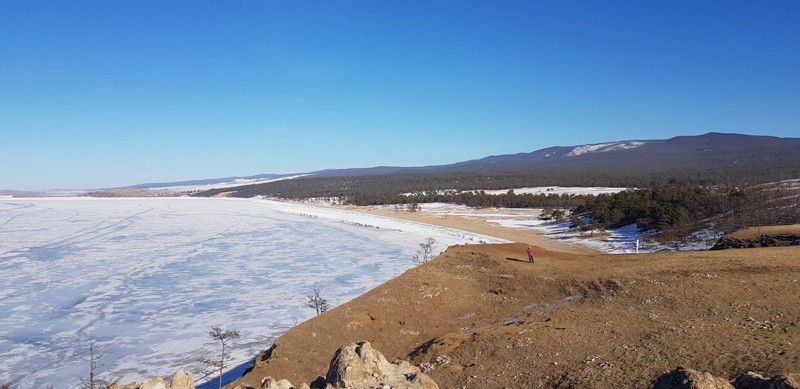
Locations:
{"points": [[481, 223]]}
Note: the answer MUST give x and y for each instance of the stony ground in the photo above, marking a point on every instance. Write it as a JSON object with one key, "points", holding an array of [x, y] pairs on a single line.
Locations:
{"points": [[480, 316]]}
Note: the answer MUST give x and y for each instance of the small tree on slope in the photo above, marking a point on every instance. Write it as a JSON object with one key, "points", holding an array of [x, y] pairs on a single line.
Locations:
{"points": [[316, 301], [223, 337], [425, 252]]}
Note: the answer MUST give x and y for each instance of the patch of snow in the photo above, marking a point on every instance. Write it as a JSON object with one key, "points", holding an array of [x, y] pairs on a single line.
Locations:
{"points": [[605, 147], [439, 192], [559, 190], [224, 185]]}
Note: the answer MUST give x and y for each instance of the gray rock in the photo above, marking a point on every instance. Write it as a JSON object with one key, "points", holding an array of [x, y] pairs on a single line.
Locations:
{"points": [[359, 366], [181, 380], [751, 380], [683, 378], [786, 381], [155, 383], [271, 383]]}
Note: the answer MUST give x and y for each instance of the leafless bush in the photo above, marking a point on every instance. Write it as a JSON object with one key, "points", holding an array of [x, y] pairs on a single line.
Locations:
{"points": [[425, 252], [316, 301]]}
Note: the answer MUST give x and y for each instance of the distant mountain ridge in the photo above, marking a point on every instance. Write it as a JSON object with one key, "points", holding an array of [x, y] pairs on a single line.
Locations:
{"points": [[712, 159], [210, 181], [712, 150], [712, 154]]}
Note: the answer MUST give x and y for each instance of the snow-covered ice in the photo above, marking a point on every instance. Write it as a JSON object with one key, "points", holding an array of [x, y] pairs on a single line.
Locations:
{"points": [[146, 278]]}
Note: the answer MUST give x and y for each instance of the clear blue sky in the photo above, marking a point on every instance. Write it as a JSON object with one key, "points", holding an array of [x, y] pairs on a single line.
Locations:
{"points": [[112, 93]]}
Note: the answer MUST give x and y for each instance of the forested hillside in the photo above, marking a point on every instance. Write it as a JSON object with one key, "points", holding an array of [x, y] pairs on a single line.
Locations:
{"points": [[722, 160], [677, 211], [714, 181]]}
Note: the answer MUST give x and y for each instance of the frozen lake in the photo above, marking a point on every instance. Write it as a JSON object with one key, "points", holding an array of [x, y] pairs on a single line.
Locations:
{"points": [[146, 279]]}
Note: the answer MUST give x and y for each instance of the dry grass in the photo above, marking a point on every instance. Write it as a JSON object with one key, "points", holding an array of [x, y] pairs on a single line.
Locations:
{"points": [[755, 232], [570, 320]]}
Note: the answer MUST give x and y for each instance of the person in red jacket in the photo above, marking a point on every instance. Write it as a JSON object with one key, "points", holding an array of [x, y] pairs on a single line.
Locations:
{"points": [[530, 254]]}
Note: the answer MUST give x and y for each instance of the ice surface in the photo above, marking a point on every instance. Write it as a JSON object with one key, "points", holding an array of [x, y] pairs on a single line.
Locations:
{"points": [[146, 278]]}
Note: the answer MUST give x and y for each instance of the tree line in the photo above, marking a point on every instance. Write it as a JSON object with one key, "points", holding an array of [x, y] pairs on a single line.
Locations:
{"points": [[672, 204], [677, 211]]}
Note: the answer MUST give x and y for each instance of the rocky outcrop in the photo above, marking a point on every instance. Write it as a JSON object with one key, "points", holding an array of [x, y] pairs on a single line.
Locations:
{"points": [[359, 366], [355, 366], [752, 380], [178, 380], [271, 383], [683, 378], [727, 242], [181, 380]]}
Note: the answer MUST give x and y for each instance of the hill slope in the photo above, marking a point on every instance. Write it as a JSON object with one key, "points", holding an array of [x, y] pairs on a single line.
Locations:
{"points": [[711, 151], [710, 159], [569, 320]]}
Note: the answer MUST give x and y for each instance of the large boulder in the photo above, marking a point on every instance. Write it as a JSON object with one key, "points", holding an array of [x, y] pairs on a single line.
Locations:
{"points": [[727, 243], [181, 380], [683, 378], [155, 383], [786, 381], [271, 383], [751, 380], [359, 366]]}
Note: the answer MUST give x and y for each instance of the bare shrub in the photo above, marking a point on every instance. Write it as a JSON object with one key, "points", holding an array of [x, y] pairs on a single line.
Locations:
{"points": [[425, 252], [316, 301]]}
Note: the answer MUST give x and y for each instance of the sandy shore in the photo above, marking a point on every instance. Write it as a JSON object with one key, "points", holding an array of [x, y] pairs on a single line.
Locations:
{"points": [[480, 221]]}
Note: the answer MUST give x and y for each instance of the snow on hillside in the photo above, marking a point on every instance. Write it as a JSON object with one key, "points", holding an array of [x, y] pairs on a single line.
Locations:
{"points": [[223, 185], [146, 278], [605, 147], [559, 190]]}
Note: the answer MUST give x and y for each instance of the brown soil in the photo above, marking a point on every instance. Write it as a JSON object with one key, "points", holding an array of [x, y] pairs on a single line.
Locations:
{"points": [[568, 321]]}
